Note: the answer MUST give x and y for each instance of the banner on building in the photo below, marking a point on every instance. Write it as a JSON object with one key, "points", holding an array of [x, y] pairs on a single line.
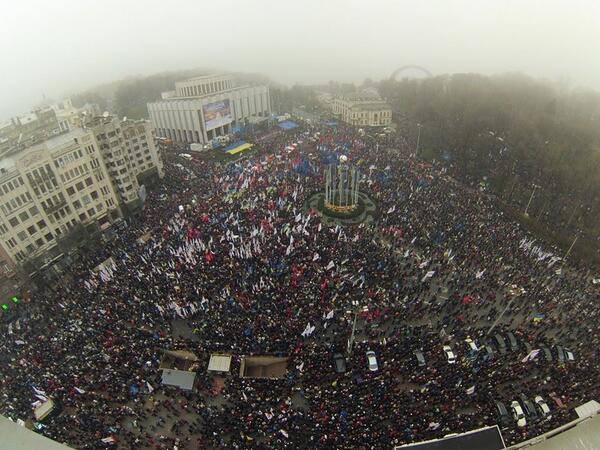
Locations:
{"points": [[217, 114]]}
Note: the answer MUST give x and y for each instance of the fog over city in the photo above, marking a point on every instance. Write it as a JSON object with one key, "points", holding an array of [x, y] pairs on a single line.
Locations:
{"points": [[55, 49]]}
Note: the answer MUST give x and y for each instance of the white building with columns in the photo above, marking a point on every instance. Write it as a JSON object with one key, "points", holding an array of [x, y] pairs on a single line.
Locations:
{"points": [[202, 108]]}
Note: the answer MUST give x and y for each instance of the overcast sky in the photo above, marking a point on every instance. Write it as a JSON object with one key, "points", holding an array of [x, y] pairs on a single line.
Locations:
{"points": [[55, 47]]}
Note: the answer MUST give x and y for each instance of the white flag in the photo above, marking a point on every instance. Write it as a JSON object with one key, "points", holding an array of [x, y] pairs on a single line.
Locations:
{"points": [[38, 391], [284, 433], [316, 257], [329, 316], [478, 275], [81, 391], [306, 331], [471, 390], [428, 275], [330, 265]]}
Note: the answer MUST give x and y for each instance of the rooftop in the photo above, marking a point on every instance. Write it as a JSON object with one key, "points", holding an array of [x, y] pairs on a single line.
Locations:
{"points": [[59, 140], [18, 437], [206, 77], [27, 118], [8, 162], [371, 106]]}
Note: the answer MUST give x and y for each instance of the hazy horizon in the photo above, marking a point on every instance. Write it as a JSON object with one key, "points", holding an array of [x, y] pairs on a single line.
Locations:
{"points": [[57, 51]]}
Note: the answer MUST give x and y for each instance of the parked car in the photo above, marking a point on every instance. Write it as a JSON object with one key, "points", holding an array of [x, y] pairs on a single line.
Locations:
{"points": [[372, 361], [471, 348], [499, 340], [518, 414], [512, 341], [569, 355], [339, 363], [420, 358], [528, 407], [546, 352], [542, 407], [450, 356], [503, 415], [488, 352], [564, 354], [560, 356]]}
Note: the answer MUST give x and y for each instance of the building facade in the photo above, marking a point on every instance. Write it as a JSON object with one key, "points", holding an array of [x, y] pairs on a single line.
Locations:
{"points": [[129, 152], [368, 111], [48, 189], [203, 108], [89, 176]]}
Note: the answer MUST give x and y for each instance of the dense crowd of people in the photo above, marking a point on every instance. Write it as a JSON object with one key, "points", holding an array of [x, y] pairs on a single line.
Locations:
{"points": [[226, 258]]}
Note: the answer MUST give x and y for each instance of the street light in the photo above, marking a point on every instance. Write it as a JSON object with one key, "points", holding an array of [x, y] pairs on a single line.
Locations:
{"points": [[535, 186], [418, 139], [351, 340]]}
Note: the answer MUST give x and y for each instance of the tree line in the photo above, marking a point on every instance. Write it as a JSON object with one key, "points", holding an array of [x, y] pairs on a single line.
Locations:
{"points": [[512, 135]]}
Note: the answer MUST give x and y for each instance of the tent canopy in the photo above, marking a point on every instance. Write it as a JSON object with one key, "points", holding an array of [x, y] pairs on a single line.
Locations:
{"points": [[237, 147], [219, 363], [287, 125]]}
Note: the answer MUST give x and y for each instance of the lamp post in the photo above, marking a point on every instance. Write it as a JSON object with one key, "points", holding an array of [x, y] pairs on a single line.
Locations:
{"points": [[351, 340], [535, 186], [418, 140], [570, 248]]}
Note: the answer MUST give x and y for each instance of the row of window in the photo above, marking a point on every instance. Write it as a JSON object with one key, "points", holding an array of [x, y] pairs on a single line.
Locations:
{"points": [[68, 158], [11, 185], [23, 215], [74, 172], [15, 203], [207, 88], [80, 186], [364, 114], [48, 237]]}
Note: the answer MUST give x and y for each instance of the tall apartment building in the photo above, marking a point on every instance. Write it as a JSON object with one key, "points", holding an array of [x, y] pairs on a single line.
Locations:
{"points": [[129, 152], [202, 108], [49, 188], [86, 176]]}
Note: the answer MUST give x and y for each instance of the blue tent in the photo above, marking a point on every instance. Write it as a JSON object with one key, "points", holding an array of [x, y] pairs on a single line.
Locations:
{"points": [[287, 125]]}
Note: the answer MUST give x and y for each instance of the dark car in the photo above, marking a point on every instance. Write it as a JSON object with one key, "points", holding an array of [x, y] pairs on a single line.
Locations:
{"points": [[504, 418], [512, 342], [339, 363], [488, 352], [528, 407], [564, 354], [560, 354], [546, 352], [499, 340], [420, 358]]}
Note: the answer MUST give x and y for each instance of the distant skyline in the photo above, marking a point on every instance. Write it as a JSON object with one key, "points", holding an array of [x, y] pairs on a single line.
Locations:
{"points": [[67, 46]]}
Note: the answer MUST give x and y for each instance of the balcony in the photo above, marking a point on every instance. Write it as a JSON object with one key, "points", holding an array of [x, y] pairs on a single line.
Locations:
{"points": [[55, 207]]}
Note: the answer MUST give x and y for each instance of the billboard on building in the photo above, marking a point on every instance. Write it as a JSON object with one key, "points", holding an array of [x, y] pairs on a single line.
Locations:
{"points": [[217, 114]]}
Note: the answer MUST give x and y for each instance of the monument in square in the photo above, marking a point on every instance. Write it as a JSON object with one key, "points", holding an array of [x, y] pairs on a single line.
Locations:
{"points": [[341, 187], [341, 201]]}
